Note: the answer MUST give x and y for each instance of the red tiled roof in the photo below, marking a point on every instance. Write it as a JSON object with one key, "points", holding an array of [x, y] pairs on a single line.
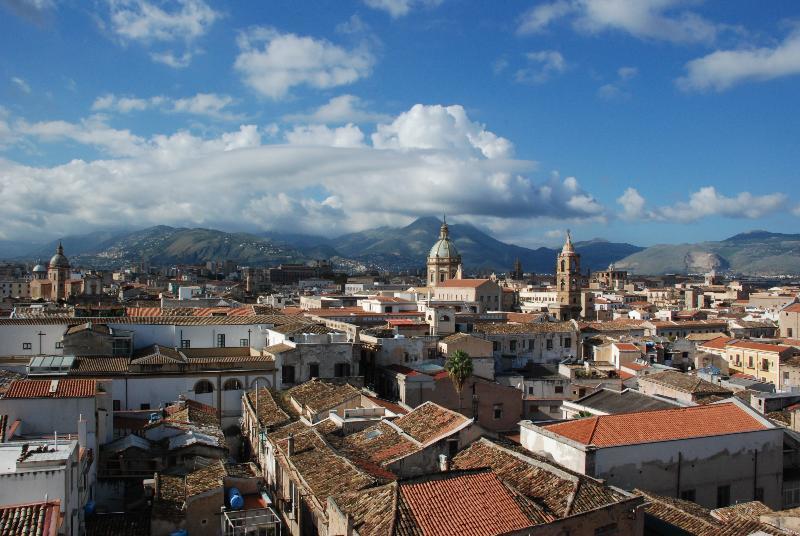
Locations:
{"points": [[627, 347], [760, 346], [660, 425], [719, 343], [793, 308], [478, 504], [66, 388], [463, 283], [394, 367]]}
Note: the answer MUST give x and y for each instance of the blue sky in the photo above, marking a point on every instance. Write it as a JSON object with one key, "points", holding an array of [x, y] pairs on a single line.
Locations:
{"points": [[645, 121]]}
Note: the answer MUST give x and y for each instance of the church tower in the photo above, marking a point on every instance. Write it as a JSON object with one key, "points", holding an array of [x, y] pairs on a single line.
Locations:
{"points": [[444, 262], [58, 274], [568, 281]]}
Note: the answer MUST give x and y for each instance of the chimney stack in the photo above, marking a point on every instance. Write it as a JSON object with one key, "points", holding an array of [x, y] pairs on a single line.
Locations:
{"points": [[82, 440], [444, 463], [290, 447]]}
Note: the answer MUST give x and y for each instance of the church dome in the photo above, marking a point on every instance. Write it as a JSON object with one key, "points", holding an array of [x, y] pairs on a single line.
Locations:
{"points": [[59, 260], [39, 268], [444, 248]]}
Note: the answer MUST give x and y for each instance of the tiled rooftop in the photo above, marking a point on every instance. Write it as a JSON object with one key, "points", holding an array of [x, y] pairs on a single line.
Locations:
{"points": [[192, 412], [269, 413], [718, 343], [430, 421], [659, 425], [685, 383], [538, 327], [694, 519], [63, 388], [321, 395], [760, 346], [33, 519], [558, 492], [463, 283]]}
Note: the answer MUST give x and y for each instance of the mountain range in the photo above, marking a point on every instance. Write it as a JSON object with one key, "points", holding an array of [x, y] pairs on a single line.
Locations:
{"points": [[406, 248]]}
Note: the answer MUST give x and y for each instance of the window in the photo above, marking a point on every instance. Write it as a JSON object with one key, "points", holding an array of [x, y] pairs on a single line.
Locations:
{"points": [[786, 376], [549, 344], [220, 340], [723, 496], [232, 385], [59, 345], [559, 389], [244, 342], [186, 343], [512, 345], [530, 390], [567, 342], [116, 405], [341, 370], [689, 495], [531, 343], [495, 346], [498, 411], [287, 374], [765, 365], [144, 406], [203, 387], [313, 369], [750, 361], [606, 530], [26, 346], [789, 332]]}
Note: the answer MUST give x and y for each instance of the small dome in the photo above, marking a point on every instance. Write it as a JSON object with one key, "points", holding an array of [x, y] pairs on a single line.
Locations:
{"points": [[568, 247], [59, 260], [444, 248], [39, 267]]}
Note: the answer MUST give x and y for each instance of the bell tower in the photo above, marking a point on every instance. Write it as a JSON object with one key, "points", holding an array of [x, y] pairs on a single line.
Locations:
{"points": [[568, 282], [444, 262]]}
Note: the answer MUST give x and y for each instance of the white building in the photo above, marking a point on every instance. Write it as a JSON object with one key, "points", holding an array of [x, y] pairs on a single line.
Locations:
{"points": [[714, 455]]}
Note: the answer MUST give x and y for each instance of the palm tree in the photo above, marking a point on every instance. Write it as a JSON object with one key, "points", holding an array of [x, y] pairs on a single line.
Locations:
{"points": [[459, 368]]}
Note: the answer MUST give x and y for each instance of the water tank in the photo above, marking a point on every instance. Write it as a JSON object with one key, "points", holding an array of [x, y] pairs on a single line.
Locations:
{"points": [[89, 508], [235, 499], [182, 532]]}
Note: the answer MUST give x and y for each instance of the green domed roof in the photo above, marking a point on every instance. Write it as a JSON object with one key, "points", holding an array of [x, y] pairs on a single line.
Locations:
{"points": [[444, 248], [59, 260]]}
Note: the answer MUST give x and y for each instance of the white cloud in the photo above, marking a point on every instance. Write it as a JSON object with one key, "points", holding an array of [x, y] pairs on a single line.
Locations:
{"points": [[346, 136], [618, 90], [179, 22], [701, 204], [273, 63], [796, 210], [663, 20], [235, 181], [540, 16], [626, 73], [341, 109], [21, 84], [400, 8], [724, 68], [442, 128], [203, 104], [35, 11], [543, 65]]}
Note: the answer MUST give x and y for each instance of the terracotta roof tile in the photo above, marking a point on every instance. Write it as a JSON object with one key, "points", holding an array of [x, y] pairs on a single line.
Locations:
{"points": [[430, 421], [63, 388], [718, 344], [39, 519], [321, 395], [471, 503], [659, 425], [685, 383], [538, 327], [464, 283], [760, 346], [269, 413]]}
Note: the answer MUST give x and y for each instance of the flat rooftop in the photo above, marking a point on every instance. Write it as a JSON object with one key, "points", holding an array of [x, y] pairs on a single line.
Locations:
{"points": [[34, 455]]}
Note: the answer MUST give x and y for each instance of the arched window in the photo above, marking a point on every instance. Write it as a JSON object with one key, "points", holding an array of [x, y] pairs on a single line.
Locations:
{"points": [[232, 384], [562, 265], [562, 284], [202, 387]]}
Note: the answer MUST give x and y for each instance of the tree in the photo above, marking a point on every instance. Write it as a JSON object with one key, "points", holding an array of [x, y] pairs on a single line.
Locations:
{"points": [[459, 368]]}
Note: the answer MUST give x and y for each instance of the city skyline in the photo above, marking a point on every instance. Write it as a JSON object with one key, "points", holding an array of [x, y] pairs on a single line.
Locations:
{"points": [[651, 122]]}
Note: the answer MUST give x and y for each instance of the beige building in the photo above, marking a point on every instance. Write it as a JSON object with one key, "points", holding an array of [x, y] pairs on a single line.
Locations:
{"points": [[789, 321], [759, 359], [444, 262], [485, 294]]}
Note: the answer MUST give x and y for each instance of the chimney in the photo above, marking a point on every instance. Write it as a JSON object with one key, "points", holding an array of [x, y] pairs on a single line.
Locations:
{"points": [[444, 463], [82, 442], [290, 447]]}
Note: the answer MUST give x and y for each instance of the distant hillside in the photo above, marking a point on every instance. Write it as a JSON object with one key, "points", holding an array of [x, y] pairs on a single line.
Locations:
{"points": [[170, 245], [409, 246], [387, 248], [753, 253]]}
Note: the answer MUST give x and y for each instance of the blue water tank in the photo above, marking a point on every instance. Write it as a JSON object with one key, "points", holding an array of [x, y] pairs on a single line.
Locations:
{"points": [[89, 508], [182, 532], [235, 499]]}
